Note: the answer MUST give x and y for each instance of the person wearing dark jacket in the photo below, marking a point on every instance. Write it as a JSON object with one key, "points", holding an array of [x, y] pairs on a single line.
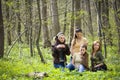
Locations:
{"points": [[59, 51]]}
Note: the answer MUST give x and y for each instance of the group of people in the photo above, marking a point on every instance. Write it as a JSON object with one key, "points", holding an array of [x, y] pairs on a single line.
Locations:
{"points": [[78, 51]]}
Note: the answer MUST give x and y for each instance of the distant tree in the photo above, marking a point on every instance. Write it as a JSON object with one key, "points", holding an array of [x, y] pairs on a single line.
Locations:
{"points": [[18, 19], [8, 23], [39, 31], [117, 20], [45, 32], [29, 24], [1, 33], [72, 24], [89, 24], [77, 13], [55, 17]]}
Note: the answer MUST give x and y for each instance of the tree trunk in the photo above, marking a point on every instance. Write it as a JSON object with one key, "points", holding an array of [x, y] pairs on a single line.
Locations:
{"points": [[26, 22], [89, 24], [1, 33], [8, 24], [98, 6], [77, 13], [71, 33], [117, 19], [18, 20], [65, 17], [55, 17], [29, 25], [46, 40], [39, 31], [105, 23]]}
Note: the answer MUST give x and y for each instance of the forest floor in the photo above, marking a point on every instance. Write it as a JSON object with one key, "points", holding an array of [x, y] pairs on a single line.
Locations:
{"points": [[17, 65]]}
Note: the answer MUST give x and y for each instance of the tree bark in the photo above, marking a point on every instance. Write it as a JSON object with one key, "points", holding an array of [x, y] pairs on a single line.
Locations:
{"points": [[46, 40], [89, 24], [8, 24], [1, 33], [71, 33], [39, 31], [117, 20], [55, 17], [77, 13], [18, 20]]}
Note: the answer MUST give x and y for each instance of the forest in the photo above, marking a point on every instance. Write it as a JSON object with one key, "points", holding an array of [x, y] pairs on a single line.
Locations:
{"points": [[28, 29]]}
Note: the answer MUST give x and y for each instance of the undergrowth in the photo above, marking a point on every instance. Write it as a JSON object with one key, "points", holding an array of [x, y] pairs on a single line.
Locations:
{"points": [[18, 64]]}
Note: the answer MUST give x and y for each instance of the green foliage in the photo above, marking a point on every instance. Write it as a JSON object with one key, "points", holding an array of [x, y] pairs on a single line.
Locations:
{"points": [[15, 67]]}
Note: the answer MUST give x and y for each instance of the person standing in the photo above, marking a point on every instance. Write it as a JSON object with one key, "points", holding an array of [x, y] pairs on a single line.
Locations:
{"points": [[59, 51]]}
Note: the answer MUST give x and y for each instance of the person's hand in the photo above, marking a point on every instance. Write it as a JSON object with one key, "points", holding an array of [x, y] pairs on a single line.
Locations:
{"points": [[60, 46]]}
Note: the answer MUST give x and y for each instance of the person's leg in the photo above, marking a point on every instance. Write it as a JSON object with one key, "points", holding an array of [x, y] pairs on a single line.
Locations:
{"points": [[70, 66], [81, 68], [56, 65]]}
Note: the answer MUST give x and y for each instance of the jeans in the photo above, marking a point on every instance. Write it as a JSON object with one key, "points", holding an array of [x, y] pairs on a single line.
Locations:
{"points": [[59, 65], [81, 68], [70, 66]]}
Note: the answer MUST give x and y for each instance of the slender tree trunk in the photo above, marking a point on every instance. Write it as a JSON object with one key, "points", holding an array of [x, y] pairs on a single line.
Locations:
{"points": [[26, 22], [39, 31], [1, 33], [46, 40], [8, 24], [89, 18], [117, 19], [65, 17], [72, 24], [77, 13], [19, 20], [105, 22], [55, 17], [98, 6]]}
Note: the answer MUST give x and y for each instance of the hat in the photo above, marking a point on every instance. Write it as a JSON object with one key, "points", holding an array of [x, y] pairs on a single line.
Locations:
{"points": [[59, 33], [78, 30]]}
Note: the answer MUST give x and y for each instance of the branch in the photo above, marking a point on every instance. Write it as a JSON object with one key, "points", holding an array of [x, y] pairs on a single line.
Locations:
{"points": [[8, 52]]}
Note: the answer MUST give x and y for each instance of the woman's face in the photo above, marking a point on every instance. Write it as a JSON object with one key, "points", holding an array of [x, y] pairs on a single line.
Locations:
{"points": [[82, 50], [61, 38], [96, 46], [78, 34]]}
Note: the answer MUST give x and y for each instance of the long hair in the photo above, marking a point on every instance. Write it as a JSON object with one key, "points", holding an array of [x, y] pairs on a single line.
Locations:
{"points": [[93, 46], [75, 37]]}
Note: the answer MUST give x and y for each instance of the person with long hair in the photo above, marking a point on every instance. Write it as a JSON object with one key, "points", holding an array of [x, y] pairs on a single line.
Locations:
{"points": [[78, 39], [97, 60], [59, 51]]}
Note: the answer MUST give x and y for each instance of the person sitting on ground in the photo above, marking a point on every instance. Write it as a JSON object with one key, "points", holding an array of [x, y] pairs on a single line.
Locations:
{"points": [[97, 60], [59, 51], [80, 60]]}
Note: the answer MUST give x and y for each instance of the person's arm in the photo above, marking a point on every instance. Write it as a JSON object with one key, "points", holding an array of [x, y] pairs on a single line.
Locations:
{"points": [[101, 59], [73, 60], [71, 48], [67, 52]]}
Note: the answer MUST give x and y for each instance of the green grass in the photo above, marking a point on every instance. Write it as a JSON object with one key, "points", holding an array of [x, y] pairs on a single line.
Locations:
{"points": [[18, 64]]}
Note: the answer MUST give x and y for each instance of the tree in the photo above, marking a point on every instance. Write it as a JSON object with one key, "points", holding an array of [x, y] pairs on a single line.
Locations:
{"points": [[29, 19], [117, 20], [19, 20], [72, 24], [55, 17], [39, 31], [1, 33], [77, 13], [8, 23], [89, 24], [46, 40]]}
